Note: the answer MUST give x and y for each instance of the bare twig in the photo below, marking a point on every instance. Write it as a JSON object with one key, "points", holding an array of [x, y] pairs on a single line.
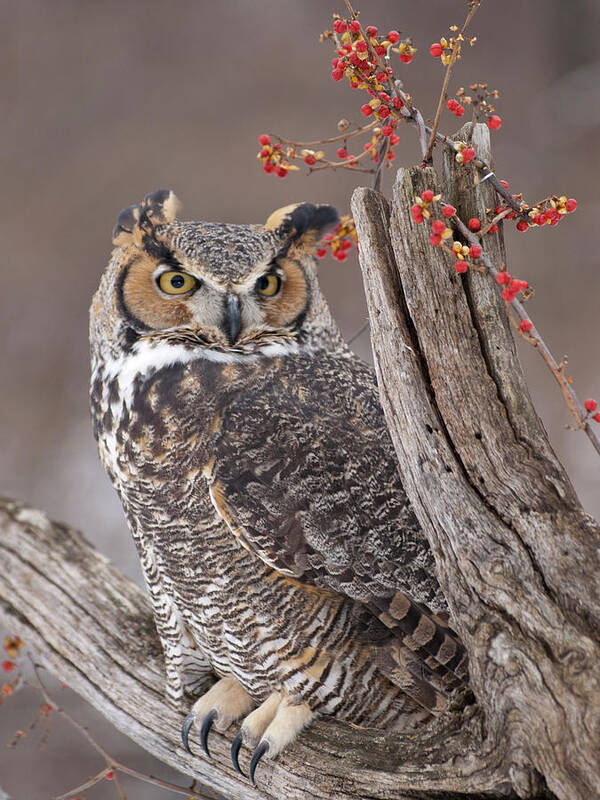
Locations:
{"points": [[112, 764], [358, 332], [381, 159], [331, 139], [449, 68]]}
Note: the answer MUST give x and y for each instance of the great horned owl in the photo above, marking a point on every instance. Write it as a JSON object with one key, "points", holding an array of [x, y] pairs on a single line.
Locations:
{"points": [[252, 458]]}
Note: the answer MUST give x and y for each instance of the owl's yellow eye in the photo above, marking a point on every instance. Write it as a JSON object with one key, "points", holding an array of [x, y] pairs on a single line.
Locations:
{"points": [[176, 282], [268, 285]]}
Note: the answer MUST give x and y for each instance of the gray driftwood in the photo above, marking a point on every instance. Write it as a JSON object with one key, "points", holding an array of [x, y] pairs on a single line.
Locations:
{"points": [[517, 558]]}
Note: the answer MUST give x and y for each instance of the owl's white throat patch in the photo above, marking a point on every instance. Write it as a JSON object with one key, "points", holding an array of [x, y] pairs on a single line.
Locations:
{"points": [[148, 357]]}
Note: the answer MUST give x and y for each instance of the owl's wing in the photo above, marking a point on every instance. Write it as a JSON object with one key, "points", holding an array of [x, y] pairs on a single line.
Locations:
{"points": [[305, 475]]}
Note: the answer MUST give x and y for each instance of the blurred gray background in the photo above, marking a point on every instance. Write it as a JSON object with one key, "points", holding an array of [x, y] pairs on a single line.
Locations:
{"points": [[105, 101]]}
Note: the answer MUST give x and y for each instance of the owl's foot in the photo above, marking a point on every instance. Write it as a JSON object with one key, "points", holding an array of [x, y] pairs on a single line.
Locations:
{"points": [[270, 728], [225, 702]]}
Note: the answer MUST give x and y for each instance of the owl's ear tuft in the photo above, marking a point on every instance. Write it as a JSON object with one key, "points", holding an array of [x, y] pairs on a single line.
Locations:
{"points": [[303, 223], [157, 208]]}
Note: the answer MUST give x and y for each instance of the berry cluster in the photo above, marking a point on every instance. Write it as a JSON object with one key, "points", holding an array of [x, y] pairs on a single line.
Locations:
{"points": [[483, 109], [590, 406], [446, 47], [424, 208], [12, 646], [512, 286], [340, 241], [551, 211], [273, 158]]}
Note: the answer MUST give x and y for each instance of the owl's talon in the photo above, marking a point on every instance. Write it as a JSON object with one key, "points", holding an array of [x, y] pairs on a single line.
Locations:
{"points": [[262, 748], [185, 731], [235, 749], [207, 724]]}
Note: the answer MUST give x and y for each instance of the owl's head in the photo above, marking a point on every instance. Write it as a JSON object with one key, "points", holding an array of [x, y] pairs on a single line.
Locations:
{"points": [[204, 284]]}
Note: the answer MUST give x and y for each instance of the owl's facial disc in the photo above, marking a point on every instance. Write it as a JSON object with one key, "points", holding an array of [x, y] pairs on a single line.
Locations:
{"points": [[270, 301]]}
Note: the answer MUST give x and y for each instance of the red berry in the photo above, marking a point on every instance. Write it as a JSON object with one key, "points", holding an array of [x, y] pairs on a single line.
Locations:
{"points": [[507, 295], [448, 211], [280, 171], [474, 224], [427, 196], [354, 26], [387, 130], [7, 665], [571, 204], [459, 110], [436, 49], [268, 167], [503, 278], [517, 285], [596, 417], [461, 267], [417, 213], [340, 255], [505, 184], [474, 251], [337, 74], [339, 26], [310, 159], [381, 76], [590, 404], [438, 226], [494, 122], [264, 140], [321, 252], [522, 225], [526, 325], [451, 104], [109, 776], [391, 155], [379, 49], [366, 110], [406, 58], [493, 229], [342, 152], [397, 102], [371, 30], [435, 239], [394, 139], [468, 153], [383, 112], [361, 46], [393, 37]]}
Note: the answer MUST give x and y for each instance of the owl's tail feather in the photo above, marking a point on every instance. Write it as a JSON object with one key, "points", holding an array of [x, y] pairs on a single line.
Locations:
{"points": [[436, 647]]}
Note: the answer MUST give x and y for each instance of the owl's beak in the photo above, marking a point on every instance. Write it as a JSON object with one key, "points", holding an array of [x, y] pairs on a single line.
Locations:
{"points": [[232, 321]]}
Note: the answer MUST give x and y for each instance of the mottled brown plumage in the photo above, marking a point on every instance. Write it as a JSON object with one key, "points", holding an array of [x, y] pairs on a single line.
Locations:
{"points": [[252, 458]]}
